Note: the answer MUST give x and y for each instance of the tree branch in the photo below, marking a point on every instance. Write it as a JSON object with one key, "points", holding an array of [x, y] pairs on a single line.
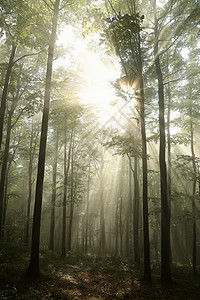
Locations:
{"points": [[112, 8], [47, 4], [26, 55]]}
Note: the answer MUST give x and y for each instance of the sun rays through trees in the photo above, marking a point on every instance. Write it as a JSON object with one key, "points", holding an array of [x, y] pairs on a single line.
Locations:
{"points": [[99, 136]]}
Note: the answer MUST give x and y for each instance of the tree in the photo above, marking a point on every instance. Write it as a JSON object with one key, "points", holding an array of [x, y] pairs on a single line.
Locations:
{"points": [[17, 21], [19, 93], [126, 37], [33, 269], [32, 150], [66, 161], [165, 214], [53, 198]]}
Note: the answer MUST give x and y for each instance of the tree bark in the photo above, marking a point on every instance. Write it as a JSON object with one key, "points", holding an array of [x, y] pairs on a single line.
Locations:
{"points": [[194, 226], [136, 214], [87, 210], [32, 149], [33, 269], [116, 228], [66, 173], [147, 266], [3, 176], [120, 225], [5, 90], [102, 235], [102, 221], [165, 213], [30, 171], [128, 212], [53, 198], [71, 212]]}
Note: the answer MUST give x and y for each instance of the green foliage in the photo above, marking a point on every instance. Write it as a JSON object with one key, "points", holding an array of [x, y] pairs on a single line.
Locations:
{"points": [[122, 32], [25, 23], [90, 277], [125, 145]]}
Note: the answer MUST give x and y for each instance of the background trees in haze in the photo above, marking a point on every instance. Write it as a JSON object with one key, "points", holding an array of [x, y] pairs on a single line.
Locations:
{"points": [[101, 188]]}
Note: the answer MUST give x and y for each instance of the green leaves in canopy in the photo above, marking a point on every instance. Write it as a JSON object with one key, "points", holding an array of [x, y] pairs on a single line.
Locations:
{"points": [[122, 30], [125, 145], [25, 22]]}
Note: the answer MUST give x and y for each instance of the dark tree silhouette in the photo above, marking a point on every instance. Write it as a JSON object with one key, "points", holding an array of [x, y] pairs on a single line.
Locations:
{"points": [[33, 269]]}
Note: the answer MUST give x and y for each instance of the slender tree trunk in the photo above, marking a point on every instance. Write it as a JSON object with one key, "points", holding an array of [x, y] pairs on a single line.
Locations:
{"points": [[64, 207], [102, 234], [165, 210], [169, 171], [116, 228], [71, 213], [66, 173], [102, 220], [5, 90], [147, 267], [194, 226], [33, 269], [53, 198], [136, 214], [3, 174], [128, 211], [87, 210], [120, 226], [5, 204], [30, 173], [169, 148]]}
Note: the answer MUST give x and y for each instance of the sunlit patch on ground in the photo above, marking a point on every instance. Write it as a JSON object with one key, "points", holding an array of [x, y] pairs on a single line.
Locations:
{"points": [[91, 280], [67, 277]]}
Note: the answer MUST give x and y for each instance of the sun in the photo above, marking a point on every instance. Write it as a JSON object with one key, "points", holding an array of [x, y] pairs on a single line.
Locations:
{"points": [[97, 77], [95, 72]]}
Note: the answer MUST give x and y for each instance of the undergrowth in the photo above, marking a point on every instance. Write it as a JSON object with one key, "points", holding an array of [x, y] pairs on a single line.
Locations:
{"points": [[87, 277]]}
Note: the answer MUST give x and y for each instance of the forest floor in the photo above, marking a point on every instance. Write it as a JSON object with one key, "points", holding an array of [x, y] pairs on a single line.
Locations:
{"points": [[89, 277]]}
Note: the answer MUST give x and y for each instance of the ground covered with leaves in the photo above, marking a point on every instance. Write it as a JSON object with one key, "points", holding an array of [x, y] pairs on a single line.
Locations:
{"points": [[89, 277]]}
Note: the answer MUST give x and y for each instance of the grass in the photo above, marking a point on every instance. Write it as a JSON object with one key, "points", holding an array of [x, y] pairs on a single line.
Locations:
{"points": [[87, 277]]}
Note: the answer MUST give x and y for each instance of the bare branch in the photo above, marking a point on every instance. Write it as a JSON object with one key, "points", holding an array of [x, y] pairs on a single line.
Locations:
{"points": [[26, 55], [130, 163], [174, 80], [112, 8], [65, 5], [47, 4], [21, 112]]}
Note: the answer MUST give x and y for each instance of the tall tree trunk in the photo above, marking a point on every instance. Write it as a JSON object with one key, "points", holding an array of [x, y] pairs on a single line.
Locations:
{"points": [[64, 204], [120, 226], [4, 170], [147, 267], [33, 269], [128, 212], [165, 210], [194, 226], [30, 173], [87, 210], [71, 212], [5, 204], [169, 171], [136, 214], [102, 235], [66, 174], [116, 227], [53, 198], [5, 90], [102, 220]]}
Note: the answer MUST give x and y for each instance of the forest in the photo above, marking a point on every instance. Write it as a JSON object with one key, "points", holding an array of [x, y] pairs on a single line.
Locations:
{"points": [[99, 149]]}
